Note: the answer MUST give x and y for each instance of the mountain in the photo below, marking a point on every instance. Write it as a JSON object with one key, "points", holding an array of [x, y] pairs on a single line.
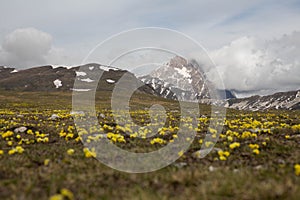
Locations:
{"points": [[36, 79], [183, 80], [281, 100], [48, 78], [177, 79]]}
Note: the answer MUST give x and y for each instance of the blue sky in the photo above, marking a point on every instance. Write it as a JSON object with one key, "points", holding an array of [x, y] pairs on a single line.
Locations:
{"points": [[63, 32]]}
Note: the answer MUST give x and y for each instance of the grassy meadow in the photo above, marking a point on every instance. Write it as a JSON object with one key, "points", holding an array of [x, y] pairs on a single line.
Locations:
{"points": [[257, 155]]}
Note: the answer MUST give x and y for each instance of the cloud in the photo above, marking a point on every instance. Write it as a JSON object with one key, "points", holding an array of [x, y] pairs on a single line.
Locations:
{"points": [[28, 47], [249, 65], [60, 56], [25, 47]]}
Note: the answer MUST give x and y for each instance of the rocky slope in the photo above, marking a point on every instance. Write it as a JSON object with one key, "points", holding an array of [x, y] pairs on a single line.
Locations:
{"points": [[282, 100]]}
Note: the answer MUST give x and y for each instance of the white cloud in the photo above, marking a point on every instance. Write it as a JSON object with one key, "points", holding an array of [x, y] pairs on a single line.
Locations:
{"points": [[250, 64], [60, 56], [27, 46]]}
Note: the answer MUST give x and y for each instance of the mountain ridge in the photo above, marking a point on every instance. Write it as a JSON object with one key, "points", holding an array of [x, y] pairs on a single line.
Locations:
{"points": [[49, 78], [289, 100]]}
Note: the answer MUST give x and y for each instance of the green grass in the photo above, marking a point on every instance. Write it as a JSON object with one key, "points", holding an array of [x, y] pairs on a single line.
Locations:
{"points": [[244, 175]]}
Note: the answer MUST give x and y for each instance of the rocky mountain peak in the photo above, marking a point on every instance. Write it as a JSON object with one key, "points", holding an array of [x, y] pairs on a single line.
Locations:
{"points": [[182, 77], [178, 62]]}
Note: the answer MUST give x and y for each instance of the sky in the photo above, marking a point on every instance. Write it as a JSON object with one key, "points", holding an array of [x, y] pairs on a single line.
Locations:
{"points": [[254, 44]]}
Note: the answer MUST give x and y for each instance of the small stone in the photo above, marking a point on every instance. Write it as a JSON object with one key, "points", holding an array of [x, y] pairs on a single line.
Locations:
{"points": [[211, 168], [54, 117], [258, 167], [21, 129], [102, 115]]}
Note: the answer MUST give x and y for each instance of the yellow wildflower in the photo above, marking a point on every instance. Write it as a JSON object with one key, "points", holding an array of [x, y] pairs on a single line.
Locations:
{"points": [[208, 144], [212, 130], [254, 146], [19, 149], [78, 139], [287, 137], [67, 193], [116, 137], [70, 151], [157, 140], [256, 151], [44, 140], [7, 134], [57, 197], [69, 136], [46, 162], [133, 135], [296, 128], [88, 153], [223, 154], [297, 169], [222, 158], [246, 134], [62, 133], [180, 153], [230, 138], [234, 145], [11, 151]]}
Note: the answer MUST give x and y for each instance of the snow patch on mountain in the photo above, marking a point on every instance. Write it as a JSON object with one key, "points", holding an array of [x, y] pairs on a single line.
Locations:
{"points": [[14, 71], [88, 80], [57, 83], [184, 72], [80, 73], [80, 90], [106, 68], [64, 66], [110, 81]]}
